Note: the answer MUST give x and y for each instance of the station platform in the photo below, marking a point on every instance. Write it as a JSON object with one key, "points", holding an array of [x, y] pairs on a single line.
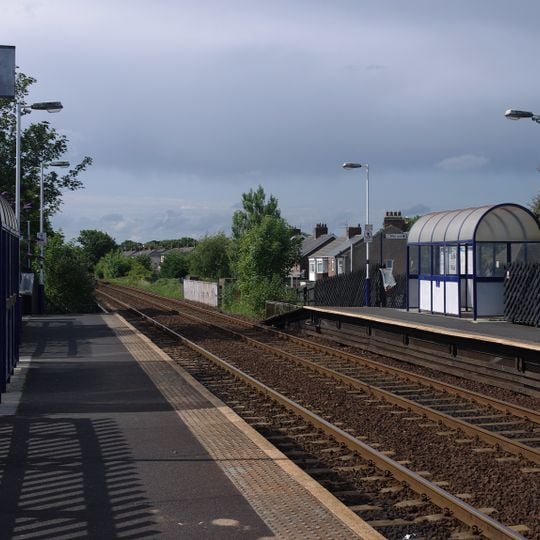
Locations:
{"points": [[488, 330], [103, 436]]}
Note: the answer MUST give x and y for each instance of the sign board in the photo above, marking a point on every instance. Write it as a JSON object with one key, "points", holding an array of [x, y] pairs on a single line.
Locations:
{"points": [[7, 71], [41, 238], [395, 236], [368, 233], [26, 285]]}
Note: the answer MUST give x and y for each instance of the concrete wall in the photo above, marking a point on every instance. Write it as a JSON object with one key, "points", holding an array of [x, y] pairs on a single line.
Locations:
{"points": [[205, 292]]}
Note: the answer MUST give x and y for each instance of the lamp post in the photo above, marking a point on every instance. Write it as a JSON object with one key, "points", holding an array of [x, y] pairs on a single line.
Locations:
{"points": [[367, 229], [513, 114], [20, 110], [41, 239]]}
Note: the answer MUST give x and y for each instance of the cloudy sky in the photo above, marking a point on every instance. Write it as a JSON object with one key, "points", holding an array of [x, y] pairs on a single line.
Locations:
{"points": [[186, 104]]}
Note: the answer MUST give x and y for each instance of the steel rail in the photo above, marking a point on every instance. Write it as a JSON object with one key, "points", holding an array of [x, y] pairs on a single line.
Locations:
{"points": [[449, 503], [500, 405], [492, 438]]}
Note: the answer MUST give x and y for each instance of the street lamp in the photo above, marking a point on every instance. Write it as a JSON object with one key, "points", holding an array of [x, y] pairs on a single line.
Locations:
{"points": [[41, 237], [367, 229], [513, 114], [20, 110]]}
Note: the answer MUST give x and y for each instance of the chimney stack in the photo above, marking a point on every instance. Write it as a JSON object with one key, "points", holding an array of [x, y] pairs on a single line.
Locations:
{"points": [[353, 231], [320, 229], [394, 219]]}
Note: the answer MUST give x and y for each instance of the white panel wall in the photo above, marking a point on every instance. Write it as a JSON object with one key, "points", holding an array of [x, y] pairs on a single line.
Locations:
{"points": [[201, 291], [438, 296], [425, 294], [452, 298]]}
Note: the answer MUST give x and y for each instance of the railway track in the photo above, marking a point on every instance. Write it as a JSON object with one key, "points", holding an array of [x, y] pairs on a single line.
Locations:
{"points": [[348, 434], [511, 427]]}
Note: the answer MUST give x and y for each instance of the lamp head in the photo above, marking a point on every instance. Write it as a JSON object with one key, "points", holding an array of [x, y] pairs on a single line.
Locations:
{"points": [[514, 114], [349, 165], [57, 164], [49, 106]]}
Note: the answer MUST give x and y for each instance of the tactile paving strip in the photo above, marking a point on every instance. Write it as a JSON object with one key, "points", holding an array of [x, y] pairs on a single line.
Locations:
{"points": [[289, 501]]}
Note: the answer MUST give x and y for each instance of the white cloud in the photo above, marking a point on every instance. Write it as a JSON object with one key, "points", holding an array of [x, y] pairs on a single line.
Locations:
{"points": [[464, 162]]}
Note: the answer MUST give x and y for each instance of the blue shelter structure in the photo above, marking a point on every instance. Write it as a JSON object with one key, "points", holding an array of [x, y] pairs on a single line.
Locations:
{"points": [[9, 293], [457, 259]]}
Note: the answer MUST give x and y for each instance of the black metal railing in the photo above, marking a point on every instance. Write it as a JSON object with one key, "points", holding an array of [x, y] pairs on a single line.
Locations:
{"points": [[348, 290], [522, 294]]}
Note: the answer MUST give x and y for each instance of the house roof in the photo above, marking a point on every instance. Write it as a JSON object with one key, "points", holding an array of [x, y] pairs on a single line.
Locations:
{"points": [[312, 244], [345, 245], [148, 252], [326, 250], [186, 249]]}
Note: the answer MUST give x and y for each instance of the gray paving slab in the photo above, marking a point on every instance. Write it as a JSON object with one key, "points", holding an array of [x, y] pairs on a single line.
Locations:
{"points": [[95, 451]]}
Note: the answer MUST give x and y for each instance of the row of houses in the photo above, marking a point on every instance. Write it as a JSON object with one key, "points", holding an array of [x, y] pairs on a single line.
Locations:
{"points": [[157, 256], [324, 254]]}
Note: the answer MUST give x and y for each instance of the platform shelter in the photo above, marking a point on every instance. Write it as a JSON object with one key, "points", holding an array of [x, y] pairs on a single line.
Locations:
{"points": [[457, 259]]}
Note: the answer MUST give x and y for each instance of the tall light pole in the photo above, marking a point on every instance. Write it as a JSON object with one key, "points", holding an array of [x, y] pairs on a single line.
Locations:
{"points": [[514, 114], [368, 231], [20, 110], [41, 237]]}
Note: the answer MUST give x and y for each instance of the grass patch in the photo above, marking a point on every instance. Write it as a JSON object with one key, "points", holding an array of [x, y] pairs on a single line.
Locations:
{"points": [[170, 288]]}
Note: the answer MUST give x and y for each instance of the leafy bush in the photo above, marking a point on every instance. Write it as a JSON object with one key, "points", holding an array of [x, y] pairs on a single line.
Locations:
{"points": [[255, 292], [210, 258], [175, 265], [69, 284], [113, 265]]}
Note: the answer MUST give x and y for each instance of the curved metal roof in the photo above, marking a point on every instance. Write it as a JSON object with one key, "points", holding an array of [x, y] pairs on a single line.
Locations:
{"points": [[7, 216], [497, 223]]}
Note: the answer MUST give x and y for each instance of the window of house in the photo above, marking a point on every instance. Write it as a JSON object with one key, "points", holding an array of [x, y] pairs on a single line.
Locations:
{"points": [[311, 266], [322, 266]]}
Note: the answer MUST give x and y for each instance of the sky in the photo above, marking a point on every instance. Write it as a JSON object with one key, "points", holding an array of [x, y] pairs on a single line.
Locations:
{"points": [[186, 104]]}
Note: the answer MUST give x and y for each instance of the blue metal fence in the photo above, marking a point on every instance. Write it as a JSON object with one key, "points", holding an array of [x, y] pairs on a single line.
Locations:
{"points": [[9, 293]]}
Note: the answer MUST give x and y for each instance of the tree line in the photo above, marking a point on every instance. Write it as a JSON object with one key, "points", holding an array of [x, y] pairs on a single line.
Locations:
{"points": [[257, 256]]}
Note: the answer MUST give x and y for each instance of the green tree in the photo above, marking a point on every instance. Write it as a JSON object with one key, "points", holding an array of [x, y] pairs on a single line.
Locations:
{"points": [[266, 252], [144, 260], [263, 250], [39, 143], [139, 269], [130, 245], [95, 244], [69, 285], [210, 258], [113, 265], [267, 249], [254, 208], [175, 265], [410, 221]]}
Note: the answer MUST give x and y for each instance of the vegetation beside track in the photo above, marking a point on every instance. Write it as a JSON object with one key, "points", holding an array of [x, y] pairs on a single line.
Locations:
{"points": [[170, 288]]}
